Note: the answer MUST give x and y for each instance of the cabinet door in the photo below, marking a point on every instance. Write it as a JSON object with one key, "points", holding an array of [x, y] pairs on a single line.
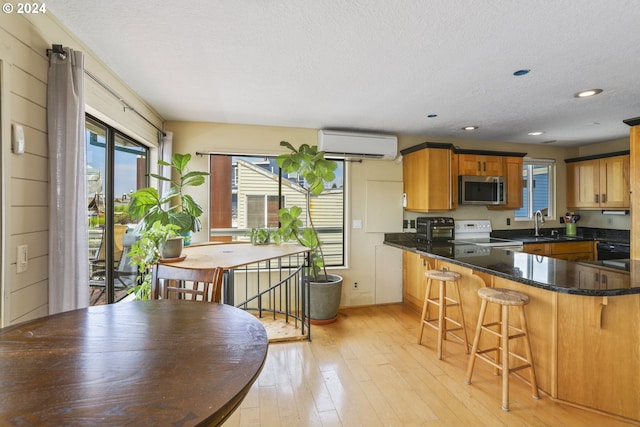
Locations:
{"points": [[512, 168], [492, 165], [413, 280], [469, 164], [614, 182], [583, 184], [428, 180], [535, 248], [477, 165]]}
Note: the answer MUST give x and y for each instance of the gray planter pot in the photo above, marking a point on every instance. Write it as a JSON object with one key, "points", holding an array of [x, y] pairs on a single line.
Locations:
{"points": [[325, 299], [172, 247]]}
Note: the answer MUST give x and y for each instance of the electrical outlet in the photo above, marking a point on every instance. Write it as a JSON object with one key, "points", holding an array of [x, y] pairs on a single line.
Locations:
{"points": [[609, 221], [355, 285]]}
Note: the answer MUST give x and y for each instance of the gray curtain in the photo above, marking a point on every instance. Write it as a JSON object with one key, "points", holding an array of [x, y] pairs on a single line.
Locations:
{"points": [[68, 228]]}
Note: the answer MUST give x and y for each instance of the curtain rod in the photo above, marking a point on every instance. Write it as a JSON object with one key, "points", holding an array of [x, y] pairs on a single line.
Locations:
{"points": [[57, 48], [126, 105]]}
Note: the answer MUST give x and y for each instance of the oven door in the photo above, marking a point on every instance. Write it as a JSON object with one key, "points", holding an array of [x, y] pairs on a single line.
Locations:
{"points": [[440, 233]]}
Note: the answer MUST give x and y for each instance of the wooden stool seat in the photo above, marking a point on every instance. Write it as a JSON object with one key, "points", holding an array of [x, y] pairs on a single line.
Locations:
{"points": [[503, 296], [443, 322], [445, 275], [501, 328]]}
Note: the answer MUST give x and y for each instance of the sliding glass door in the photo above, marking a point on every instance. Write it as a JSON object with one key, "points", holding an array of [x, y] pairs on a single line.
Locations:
{"points": [[116, 167]]}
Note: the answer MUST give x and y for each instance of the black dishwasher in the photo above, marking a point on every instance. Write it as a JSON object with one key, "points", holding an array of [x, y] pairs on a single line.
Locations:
{"points": [[613, 250]]}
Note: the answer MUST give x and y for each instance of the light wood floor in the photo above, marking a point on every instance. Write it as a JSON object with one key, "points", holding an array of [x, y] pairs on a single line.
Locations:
{"points": [[368, 370]]}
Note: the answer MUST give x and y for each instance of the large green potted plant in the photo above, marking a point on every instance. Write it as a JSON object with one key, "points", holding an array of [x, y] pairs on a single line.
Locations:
{"points": [[325, 289], [174, 206]]}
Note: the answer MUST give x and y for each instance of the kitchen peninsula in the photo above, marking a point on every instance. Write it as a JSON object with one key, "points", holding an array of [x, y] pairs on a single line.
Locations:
{"points": [[583, 318]]}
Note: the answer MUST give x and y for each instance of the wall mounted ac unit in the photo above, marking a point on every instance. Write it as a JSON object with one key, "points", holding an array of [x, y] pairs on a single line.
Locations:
{"points": [[358, 145]]}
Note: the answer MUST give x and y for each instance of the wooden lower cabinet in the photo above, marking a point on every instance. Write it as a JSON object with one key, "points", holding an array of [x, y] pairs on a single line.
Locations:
{"points": [[586, 350], [599, 353], [569, 251], [413, 281]]}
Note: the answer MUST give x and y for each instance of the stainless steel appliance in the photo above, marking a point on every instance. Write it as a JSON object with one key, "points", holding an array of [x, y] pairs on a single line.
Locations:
{"points": [[613, 250], [433, 231], [481, 190], [478, 232]]}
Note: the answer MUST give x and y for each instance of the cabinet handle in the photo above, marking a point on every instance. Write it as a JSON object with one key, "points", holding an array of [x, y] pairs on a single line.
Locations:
{"points": [[604, 198], [484, 166], [536, 250], [479, 168], [595, 198]]}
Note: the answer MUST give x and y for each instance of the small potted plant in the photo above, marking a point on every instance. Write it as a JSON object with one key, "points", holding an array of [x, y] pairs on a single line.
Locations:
{"points": [[173, 207], [260, 236], [325, 289]]}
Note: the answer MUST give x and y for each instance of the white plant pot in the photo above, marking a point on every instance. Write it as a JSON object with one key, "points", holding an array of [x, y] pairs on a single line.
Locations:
{"points": [[172, 247]]}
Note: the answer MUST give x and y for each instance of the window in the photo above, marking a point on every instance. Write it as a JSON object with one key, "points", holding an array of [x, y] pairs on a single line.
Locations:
{"points": [[538, 188], [262, 210], [116, 167], [247, 192]]}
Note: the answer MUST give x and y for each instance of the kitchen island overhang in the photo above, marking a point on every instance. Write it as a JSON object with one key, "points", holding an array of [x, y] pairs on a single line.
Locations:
{"points": [[584, 319]]}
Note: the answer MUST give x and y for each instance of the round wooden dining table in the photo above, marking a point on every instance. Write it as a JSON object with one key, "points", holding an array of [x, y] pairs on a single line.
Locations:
{"points": [[140, 363]]}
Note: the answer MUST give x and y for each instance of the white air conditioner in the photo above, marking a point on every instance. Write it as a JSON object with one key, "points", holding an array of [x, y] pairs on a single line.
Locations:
{"points": [[358, 145]]}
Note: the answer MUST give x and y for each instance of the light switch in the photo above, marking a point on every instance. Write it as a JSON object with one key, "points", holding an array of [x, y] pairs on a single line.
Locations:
{"points": [[23, 257], [357, 223]]}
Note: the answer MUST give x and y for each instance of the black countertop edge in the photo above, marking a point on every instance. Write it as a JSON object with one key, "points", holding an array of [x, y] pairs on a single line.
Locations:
{"points": [[571, 290]]}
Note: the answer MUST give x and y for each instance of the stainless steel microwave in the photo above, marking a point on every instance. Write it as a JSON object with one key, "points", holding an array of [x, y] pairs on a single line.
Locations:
{"points": [[481, 190]]}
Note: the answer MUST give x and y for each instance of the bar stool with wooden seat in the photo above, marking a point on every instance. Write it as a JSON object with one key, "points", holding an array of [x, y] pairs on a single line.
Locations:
{"points": [[505, 298], [442, 322]]}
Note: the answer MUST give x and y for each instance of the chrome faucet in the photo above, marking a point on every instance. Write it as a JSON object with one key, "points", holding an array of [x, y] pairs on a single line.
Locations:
{"points": [[536, 226]]}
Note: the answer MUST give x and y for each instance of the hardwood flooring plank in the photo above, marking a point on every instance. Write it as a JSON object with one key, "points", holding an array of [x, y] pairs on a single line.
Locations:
{"points": [[367, 369]]}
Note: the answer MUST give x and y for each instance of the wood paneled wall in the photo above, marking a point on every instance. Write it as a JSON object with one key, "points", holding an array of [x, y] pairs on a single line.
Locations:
{"points": [[24, 40]]}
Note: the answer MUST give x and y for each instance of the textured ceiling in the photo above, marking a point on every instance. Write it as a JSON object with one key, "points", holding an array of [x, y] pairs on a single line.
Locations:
{"points": [[377, 65]]}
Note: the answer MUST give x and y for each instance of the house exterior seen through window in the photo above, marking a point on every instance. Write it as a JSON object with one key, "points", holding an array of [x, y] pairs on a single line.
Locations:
{"points": [[247, 192], [538, 189]]}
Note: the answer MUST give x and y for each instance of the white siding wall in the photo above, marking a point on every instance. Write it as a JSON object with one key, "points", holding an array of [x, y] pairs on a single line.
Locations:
{"points": [[25, 178]]}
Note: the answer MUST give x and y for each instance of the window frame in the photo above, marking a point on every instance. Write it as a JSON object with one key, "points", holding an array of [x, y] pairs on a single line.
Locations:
{"points": [[529, 164], [111, 136]]}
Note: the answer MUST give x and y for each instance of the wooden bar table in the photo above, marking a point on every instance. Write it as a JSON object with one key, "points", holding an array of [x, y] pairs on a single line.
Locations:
{"points": [[233, 255], [141, 363]]}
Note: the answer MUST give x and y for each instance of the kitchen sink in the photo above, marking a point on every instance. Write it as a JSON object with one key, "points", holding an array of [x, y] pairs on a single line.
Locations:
{"points": [[542, 239]]}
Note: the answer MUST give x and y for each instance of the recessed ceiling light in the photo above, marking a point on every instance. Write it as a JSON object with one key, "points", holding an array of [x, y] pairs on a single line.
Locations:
{"points": [[470, 128], [587, 93], [522, 72], [536, 133], [432, 116]]}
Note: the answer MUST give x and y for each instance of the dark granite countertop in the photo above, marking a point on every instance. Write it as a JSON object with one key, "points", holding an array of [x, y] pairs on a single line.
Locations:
{"points": [[583, 234], [579, 278]]}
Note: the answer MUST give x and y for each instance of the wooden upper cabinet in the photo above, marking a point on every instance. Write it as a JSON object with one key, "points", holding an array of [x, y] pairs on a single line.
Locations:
{"points": [[512, 169], [429, 180], [480, 165], [599, 183]]}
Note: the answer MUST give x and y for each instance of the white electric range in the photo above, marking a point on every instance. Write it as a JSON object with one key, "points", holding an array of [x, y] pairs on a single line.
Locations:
{"points": [[473, 238]]}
